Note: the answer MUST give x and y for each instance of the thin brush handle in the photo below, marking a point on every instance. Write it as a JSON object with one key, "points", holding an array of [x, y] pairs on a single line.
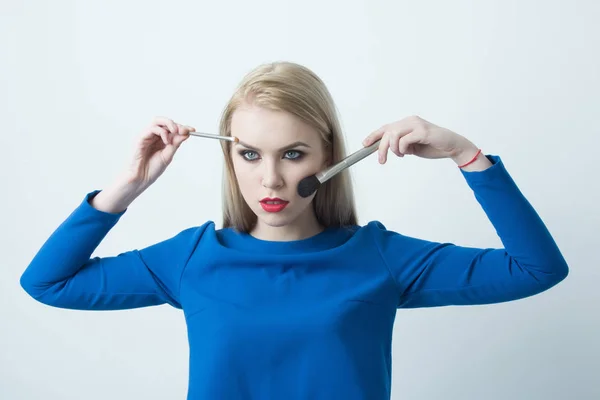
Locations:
{"points": [[211, 136], [353, 158]]}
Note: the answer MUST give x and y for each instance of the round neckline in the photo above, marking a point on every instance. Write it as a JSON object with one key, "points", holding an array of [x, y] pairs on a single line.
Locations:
{"points": [[326, 239]]}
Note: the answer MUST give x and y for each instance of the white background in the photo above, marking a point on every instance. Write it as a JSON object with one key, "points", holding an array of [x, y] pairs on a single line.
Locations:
{"points": [[79, 80]]}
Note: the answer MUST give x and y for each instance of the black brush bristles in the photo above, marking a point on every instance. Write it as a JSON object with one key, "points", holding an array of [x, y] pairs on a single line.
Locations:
{"points": [[308, 186]]}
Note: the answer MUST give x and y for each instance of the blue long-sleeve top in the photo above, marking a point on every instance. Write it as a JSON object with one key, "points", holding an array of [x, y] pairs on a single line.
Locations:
{"points": [[304, 319]]}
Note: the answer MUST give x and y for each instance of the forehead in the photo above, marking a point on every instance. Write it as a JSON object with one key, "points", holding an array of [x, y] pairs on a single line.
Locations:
{"points": [[266, 129]]}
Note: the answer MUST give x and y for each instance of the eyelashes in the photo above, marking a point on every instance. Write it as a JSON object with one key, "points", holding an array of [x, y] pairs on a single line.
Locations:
{"points": [[251, 156]]}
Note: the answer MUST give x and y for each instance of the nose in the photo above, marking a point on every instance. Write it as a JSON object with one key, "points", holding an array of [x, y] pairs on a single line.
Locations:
{"points": [[271, 175]]}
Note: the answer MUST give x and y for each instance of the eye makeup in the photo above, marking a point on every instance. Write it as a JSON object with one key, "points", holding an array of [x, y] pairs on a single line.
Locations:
{"points": [[244, 153]]}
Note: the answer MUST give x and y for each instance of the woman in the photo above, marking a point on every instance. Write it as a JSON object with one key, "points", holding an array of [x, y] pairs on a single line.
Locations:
{"points": [[291, 298]]}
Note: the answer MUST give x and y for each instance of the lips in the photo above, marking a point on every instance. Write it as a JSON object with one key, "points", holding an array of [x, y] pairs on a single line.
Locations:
{"points": [[273, 200], [273, 204]]}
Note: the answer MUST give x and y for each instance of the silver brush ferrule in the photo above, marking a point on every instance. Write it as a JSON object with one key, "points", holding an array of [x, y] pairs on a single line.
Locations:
{"points": [[352, 159]]}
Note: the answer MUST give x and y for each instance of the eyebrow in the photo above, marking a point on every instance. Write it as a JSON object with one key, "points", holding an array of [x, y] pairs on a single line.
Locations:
{"points": [[295, 144]]}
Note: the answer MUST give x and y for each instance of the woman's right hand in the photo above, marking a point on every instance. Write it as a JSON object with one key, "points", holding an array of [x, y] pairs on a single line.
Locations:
{"points": [[155, 150]]}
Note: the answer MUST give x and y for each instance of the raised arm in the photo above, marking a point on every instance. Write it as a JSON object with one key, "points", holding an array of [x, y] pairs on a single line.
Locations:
{"points": [[62, 274], [430, 274], [435, 274]]}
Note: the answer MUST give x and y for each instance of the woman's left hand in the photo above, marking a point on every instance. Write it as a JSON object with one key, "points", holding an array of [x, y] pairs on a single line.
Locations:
{"points": [[414, 135]]}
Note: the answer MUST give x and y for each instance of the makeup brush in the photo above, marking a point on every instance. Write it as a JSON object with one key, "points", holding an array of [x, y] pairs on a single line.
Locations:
{"points": [[211, 136], [310, 184]]}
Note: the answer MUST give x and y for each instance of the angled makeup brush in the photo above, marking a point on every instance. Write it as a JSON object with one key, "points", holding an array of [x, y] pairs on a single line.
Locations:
{"points": [[211, 136], [310, 184]]}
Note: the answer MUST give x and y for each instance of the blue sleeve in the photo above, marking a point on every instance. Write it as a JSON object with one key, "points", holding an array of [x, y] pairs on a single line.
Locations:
{"points": [[430, 274], [62, 274]]}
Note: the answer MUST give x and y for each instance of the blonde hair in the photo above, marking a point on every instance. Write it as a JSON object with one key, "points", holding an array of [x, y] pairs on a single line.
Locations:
{"points": [[293, 88]]}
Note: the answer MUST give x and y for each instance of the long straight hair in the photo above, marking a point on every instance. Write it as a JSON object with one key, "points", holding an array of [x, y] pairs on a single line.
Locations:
{"points": [[293, 88]]}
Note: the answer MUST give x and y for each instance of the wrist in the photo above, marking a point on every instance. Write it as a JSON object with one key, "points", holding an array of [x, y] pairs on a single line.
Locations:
{"points": [[465, 154], [117, 197], [477, 163], [471, 159]]}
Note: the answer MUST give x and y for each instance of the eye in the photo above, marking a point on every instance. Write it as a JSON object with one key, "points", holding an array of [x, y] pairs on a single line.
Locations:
{"points": [[293, 154], [249, 155]]}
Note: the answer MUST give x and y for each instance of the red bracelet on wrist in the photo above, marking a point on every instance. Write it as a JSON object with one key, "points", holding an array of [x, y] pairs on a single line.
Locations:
{"points": [[472, 161]]}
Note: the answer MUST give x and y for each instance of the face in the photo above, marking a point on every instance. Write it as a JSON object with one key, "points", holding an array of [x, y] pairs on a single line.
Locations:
{"points": [[276, 150]]}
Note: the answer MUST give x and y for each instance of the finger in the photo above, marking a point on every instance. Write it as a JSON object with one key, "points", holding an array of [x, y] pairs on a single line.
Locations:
{"points": [[160, 131], [403, 131], [167, 123], [394, 140], [178, 139], [373, 137], [181, 130], [169, 151], [383, 148], [185, 129], [405, 142]]}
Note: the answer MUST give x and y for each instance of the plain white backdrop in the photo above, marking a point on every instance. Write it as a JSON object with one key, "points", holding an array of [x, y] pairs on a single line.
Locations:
{"points": [[79, 80]]}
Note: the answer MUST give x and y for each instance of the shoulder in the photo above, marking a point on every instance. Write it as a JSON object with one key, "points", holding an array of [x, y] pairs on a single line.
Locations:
{"points": [[377, 232], [187, 238], [195, 233], [374, 227], [373, 231]]}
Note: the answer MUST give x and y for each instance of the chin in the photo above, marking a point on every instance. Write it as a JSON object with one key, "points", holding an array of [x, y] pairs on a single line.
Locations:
{"points": [[276, 220]]}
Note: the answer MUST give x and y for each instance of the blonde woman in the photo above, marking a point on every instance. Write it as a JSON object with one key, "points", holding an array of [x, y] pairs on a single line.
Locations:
{"points": [[291, 298]]}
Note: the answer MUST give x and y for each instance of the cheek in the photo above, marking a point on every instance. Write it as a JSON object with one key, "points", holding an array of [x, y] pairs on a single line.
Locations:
{"points": [[296, 173], [308, 167], [243, 176], [242, 168]]}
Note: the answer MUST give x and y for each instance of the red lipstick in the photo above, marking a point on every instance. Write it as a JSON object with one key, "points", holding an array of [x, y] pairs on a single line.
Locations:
{"points": [[273, 204]]}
